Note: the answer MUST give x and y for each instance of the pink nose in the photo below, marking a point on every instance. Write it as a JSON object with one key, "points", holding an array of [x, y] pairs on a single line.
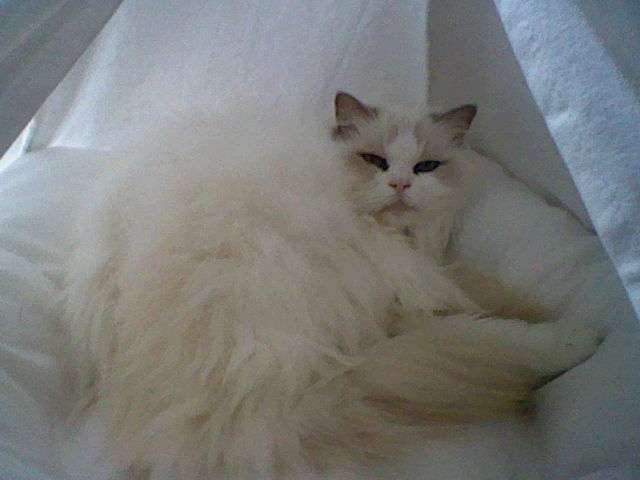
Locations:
{"points": [[400, 185]]}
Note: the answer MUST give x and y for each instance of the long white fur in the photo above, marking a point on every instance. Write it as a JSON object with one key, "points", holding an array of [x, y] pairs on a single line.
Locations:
{"points": [[231, 311]]}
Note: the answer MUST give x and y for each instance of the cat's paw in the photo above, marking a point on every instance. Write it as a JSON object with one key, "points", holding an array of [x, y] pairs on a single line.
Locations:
{"points": [[574, 345]]}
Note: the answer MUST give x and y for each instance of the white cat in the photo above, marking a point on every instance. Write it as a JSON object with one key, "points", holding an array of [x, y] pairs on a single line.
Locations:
{"points": [[265, 302]]}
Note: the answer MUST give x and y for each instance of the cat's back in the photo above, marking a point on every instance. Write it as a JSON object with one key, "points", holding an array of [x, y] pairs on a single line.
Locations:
{"points": [[240, 201], [238, 236], [205, 190]]}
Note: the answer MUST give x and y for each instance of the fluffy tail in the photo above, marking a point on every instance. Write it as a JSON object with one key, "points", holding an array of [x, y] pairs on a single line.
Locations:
{"points": [[458, 368], [256, 424]]}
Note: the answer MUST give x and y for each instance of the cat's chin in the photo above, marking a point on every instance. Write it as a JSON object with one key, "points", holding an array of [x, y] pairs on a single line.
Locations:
{"points": [[398, 206], [397, 214]]}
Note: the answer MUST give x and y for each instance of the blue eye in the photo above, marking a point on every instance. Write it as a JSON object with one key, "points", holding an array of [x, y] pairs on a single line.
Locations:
{"points": [[426, 166], [375, 160]]}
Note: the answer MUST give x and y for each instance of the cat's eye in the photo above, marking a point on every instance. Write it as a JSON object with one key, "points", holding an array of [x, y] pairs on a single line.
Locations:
{"points": [[426, 166], [375, 160]]}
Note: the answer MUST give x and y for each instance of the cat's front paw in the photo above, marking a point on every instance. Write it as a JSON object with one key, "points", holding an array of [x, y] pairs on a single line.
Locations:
{"points": [[574, 345]]}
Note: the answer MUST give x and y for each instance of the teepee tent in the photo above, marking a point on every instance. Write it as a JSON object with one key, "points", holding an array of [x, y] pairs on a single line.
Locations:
{"points": [[557, 84]]}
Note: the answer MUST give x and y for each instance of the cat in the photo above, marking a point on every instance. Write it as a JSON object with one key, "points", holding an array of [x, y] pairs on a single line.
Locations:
{"points": [[267, 301]]}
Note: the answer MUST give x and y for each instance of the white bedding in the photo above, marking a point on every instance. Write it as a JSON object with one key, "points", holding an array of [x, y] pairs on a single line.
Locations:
{"points": [[157, 59], [589, 419], [586, 82], [36, 195]]}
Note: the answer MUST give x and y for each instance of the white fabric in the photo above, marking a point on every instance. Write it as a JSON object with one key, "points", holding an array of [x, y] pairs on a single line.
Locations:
{"points": [[39, 42], [581, 64], [36, 196], [624, 472], [588, 418], [471, 60], [159, 58]]}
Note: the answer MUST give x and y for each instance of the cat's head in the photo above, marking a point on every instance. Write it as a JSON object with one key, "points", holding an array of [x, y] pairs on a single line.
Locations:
{"points": [[410, 159]]}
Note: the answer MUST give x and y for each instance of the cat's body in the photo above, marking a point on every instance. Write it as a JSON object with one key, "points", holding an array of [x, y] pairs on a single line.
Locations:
{"points": [[277, 307]]}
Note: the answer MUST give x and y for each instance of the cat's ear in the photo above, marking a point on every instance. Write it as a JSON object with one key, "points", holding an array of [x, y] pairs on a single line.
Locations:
{"points": [[456, 121], [349, 110]]}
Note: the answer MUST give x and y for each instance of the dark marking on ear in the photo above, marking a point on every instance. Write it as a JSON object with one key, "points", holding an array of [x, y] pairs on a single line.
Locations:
{"points": [[458, 120], [343, 132], [348, 109]]}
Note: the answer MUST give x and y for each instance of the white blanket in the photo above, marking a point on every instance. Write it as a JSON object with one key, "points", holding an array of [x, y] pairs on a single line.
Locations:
{"points": [[158, 59], [580, 60]]}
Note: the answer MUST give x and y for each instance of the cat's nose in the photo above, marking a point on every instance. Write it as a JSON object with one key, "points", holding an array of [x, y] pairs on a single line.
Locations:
{"points": [[400, 185]]}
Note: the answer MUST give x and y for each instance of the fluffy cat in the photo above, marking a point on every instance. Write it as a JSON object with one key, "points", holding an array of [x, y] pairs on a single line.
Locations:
{"points": [[267, 302]]}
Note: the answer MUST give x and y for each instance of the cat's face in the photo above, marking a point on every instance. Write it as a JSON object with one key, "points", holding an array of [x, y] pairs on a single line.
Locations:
{"points": [[402, 160]]}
